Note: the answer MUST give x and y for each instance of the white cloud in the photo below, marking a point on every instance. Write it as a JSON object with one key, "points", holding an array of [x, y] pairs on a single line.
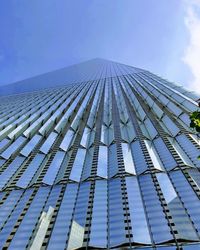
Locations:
{"points": [[192, 53]]}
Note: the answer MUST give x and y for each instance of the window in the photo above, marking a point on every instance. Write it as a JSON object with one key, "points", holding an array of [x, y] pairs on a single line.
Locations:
{"points": [[154, 156], [98, 235], [116, 214], [128, 160], [112, 160], [30, 171], [25, 230], [78, 165], [10, 170], [8, 226], [61, 227], [102, 162], [138, 157], [157, 220], [8, 205], [13, 147], [188, 197], [164, 154], [48, 143], [30, 145], [184, 226], [67, 140], [53, 168], [137, 214]]}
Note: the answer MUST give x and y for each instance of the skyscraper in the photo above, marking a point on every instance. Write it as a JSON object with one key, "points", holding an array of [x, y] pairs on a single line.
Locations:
{"points": [[98, 155]]}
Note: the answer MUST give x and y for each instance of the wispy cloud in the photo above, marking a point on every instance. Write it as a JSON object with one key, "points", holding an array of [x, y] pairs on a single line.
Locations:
{"points": [[192, 53]]}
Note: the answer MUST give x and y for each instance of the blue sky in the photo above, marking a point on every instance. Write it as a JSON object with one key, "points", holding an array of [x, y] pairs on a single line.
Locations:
{"points": [[38, 36]]}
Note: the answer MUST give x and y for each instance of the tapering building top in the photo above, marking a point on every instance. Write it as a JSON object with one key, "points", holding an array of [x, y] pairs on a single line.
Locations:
{"points": [[86, 71]]}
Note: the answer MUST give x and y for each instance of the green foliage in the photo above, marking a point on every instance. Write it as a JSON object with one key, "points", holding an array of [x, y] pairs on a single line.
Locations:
{"points": [[195, 122]]}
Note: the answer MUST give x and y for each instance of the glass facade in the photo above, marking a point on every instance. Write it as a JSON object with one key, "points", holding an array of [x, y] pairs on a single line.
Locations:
{"points": [[109, 152]]}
